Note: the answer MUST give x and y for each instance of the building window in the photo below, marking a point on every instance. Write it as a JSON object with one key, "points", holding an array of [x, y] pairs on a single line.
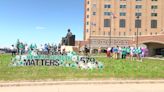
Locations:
{"points": [[94, 5], [122, 6], [138, 6], [154, 7], [107, 6], [87, 31], [140, 33], [138, 14], [107, 13], [107, 23], [153, 23], [87, 23], [87, 9], [156, 33], [154, 0], [137, 23], [94, 13], [88, 2], [87, 16], [124, 33], [154, 14], [122, 13], [122, 23]]}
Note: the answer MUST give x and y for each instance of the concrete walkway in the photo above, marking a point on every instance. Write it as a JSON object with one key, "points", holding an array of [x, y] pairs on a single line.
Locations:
{"points": [[155, 58], [42, 83], [86, 86]]}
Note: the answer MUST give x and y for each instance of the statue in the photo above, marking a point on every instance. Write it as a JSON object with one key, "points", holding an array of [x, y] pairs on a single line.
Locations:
{"points": [[69, 34], [69, 40]]}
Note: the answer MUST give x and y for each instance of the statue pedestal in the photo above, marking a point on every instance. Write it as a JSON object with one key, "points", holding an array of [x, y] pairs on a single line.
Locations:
{"points": [[69, 48], [70, 41]]}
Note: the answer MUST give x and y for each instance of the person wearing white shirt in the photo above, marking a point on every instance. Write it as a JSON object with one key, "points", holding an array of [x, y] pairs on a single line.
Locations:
{"points": [[13, 50], [26, 49]]}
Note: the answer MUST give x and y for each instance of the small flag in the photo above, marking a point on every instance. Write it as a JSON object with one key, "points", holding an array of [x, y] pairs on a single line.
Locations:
{"points": [[113, 15]]}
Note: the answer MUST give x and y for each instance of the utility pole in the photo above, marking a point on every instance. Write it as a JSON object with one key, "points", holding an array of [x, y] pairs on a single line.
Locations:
{"points": [[137, 29]]}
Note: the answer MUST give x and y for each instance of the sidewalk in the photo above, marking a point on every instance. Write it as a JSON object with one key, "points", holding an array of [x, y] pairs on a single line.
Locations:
{"points": [[47, 83], [155, 58]]}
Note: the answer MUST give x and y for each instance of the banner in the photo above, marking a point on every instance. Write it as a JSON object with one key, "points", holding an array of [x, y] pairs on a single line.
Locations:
{"points": [[70, 60]]}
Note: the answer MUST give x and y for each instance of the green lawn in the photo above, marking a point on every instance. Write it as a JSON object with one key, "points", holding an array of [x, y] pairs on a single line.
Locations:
{"points": [[148, 69]]}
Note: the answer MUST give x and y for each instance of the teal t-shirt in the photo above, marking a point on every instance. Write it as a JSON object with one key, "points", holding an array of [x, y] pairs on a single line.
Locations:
{"points": [[138, 51], [123, 51], [128, 50], [21, 46]]}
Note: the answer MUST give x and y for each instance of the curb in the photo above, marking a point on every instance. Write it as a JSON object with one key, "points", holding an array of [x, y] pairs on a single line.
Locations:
{"points": [[154, 58], [81, 83]]}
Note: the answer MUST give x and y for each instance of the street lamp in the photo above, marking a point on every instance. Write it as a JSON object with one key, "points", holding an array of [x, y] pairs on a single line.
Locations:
{"points": [[90, 38], [137, 29], [110, 31]]}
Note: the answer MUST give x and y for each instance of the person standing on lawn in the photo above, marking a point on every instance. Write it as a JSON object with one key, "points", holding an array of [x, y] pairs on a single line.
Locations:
{"points": [[128, 52], [21, 47], [108, 52], [46, 49], [124, 53], [99, 50], [120, 52], [17, 46], [13, 50], [111, 52], [132, 54], [115, 52], [139, 53], [26, 49]]}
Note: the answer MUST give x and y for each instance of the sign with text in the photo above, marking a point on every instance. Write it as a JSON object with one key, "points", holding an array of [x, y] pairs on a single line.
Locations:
{"points": [[69, 60]]}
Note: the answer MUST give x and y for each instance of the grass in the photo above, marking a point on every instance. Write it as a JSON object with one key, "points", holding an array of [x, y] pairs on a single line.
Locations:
{"points": [[149, 69]]}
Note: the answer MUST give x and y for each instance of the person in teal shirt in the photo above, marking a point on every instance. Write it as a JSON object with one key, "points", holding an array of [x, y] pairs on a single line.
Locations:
{"points": [[124, 53], [128, 52], [138, 52], [17, 46], [21, 48]]}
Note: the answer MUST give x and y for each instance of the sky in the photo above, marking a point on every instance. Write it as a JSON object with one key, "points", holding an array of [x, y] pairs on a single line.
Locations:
{"points": [[39, 21]]}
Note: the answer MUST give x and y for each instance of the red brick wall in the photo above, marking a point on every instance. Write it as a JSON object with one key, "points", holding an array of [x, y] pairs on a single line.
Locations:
{"points": [[146, 39]]}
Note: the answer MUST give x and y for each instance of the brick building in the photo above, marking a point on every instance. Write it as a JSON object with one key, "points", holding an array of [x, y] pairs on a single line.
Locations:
{"points": [[110, 23]]}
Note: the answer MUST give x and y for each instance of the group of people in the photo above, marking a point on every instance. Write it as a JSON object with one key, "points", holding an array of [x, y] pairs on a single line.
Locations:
{"points": [[130, 53], [21, 48], [117, 52]]}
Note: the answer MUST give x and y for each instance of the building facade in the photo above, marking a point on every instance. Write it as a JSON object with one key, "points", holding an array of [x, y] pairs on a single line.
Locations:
{"points": [[122, 22]]}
